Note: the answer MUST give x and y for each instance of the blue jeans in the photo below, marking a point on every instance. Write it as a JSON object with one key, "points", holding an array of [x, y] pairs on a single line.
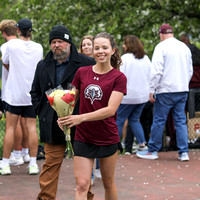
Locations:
{"points": [[164, 102], [131, 112]]}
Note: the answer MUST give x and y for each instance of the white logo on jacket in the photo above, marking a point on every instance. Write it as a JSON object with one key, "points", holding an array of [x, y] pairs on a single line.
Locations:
{"points": [[93, 92]]}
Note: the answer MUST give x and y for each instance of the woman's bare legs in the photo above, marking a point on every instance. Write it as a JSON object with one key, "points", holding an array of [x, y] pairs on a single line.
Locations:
{"points": [[82, 173], [107, 167]]}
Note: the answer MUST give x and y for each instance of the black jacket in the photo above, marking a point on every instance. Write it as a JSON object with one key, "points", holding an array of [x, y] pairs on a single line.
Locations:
{"points": [[44, 79]]}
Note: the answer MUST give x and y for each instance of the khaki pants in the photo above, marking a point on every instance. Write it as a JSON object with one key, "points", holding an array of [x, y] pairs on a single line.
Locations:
{"points": [[48, 179]]}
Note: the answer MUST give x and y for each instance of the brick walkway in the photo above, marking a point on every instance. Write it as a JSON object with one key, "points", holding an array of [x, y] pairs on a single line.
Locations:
{"points": [[136, 179]]}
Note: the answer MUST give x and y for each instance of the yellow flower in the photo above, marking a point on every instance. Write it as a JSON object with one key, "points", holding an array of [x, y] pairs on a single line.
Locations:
{"points": [[57, 93]]}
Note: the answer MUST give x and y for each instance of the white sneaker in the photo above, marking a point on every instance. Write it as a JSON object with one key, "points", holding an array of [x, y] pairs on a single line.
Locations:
{"points": [[16, 161], [135, 146], [127, 153], [183, 157], [33, 169], [123, 144], [142, 148], [98, 173], [26, 158], [4, 170], [147, 155]]}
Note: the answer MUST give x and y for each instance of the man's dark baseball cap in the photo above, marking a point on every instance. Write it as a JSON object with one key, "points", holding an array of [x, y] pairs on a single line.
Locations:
{"points": [[165, 29], [24, 24]]}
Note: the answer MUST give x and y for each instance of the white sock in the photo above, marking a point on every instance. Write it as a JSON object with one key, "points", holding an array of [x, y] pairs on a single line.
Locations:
{"points": [[24, 151], [17, 154], [32, 161], [5, 161]]}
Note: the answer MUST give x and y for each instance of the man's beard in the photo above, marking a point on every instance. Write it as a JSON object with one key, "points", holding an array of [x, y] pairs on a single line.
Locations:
{"points": [[62, 55]]}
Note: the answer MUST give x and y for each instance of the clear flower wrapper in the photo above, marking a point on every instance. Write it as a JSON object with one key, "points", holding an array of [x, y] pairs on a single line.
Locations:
{"points": [[63, 102]]}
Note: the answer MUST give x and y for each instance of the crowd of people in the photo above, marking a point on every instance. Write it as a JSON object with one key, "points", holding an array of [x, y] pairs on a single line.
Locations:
{"points": [[22, 54], [169, 85], [110, 90]]}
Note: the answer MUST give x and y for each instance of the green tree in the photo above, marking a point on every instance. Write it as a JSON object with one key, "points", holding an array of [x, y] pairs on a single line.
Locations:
{"points": [[122, 17]]}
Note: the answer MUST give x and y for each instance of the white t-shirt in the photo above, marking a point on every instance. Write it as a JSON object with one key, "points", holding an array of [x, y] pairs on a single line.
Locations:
{"points": [[22, 57], [137, 72], [172, 67]]}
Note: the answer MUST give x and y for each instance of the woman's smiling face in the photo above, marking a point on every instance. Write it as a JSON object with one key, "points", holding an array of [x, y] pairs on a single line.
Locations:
{"points": [[102, 50]]}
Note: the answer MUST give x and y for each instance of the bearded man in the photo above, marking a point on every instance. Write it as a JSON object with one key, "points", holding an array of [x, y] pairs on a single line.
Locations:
{"points": [[57, 68]]}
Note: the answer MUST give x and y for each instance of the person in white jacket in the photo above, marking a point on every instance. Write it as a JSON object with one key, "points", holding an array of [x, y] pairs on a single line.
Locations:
{"points": [[171, 73], [136, 66]]}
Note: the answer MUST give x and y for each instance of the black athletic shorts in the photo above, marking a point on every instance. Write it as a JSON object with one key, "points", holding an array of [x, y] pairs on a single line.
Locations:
{"points": [[24, 111], [89, 150]]}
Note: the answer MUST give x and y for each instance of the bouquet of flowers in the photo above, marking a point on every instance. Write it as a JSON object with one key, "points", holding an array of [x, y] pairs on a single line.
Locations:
{"points": [[63, 101]]}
